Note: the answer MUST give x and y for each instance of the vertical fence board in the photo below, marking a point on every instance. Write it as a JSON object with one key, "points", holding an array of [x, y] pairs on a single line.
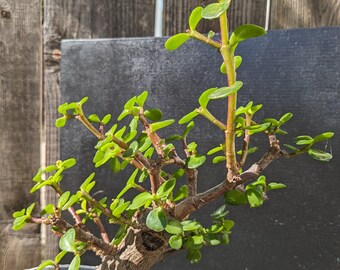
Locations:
{"points": [[68, 19], [287, 14], [20, 95]]}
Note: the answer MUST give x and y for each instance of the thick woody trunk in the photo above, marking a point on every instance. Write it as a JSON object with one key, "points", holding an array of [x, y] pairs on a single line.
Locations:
{"points": [[140, 250]]}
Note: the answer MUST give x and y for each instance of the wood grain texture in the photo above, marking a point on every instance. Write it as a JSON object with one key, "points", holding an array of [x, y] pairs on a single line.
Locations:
{"points": [[247, 11], [287, 14], [20, 95], [65, 19]]}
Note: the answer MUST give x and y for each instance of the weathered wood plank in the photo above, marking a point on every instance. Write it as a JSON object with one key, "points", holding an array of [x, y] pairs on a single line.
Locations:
{"points": [[287, 14], [247, 11], [81, 19], [20, 95], [240, 12]]}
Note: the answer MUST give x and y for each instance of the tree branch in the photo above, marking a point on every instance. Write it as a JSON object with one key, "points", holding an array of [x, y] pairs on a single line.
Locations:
{"points": [[191, 204]]}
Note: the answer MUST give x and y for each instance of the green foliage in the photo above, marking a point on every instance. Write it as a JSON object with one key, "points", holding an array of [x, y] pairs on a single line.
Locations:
{"points": [[215, 10], [134, 142], [226, 91], [176, 41]]}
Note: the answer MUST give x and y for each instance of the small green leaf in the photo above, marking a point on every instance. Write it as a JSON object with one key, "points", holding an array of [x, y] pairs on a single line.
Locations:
{"points": [[106, 119], [120, 209], [176, 242], [165, 189], [194, 162], [129, 104], [83, 100], [75, 263], [123, 114], [194, 255], [215, 10], [115, 165], [273, 186], [204, 97], [211, 34], [19, 222], [182, 193], [174, 227], [60, 122], [30, 209], [140, 200], [153, 114], [49, 209], [238, 61], [220, 212], [254, 197], [175, 137], [226, 91], [94, 118], [188, 117], [215, 150], [19, 213], [320, 155], [159, 125], [44, 264], [176, 41], [156, 220], [286, 117], [142, 98], [63, 199], [223, 68], [74, 198], [67, 241], [68, 163], [189, 225], [87, 181], [189, 127], [219, 159], [244, 32], [195, 17], [60, 255], [235, 197], [323, 137], [143, 176]]}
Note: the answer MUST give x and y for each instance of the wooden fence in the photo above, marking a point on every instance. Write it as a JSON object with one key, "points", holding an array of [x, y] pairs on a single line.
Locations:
{"points": [[30, 36]]}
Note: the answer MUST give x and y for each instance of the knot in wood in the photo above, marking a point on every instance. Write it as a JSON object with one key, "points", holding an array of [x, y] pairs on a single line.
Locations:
{"points": [[5, 13], [151, 242]]}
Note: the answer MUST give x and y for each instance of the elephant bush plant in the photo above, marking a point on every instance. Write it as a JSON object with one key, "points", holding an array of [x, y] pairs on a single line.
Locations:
{"points": [[157, 221]]}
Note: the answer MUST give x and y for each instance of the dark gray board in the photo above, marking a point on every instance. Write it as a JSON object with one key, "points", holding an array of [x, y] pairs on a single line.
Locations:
{"points": [[293, 70]]}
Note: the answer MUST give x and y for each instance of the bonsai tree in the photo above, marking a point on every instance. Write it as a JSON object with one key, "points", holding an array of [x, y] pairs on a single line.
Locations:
{"points": [[157, 221]]}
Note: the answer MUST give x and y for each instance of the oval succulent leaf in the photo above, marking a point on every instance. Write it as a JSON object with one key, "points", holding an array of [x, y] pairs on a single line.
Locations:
{"points": [[182, 193], [67, 241], [235, 197], [159, 125], [140, 200], [176, 41], [244, 32], [174, 227], [156, 220], [320, 155], [194, 162], [195, 17], [94, 118], [75, 263], [60, 122], [204, 97], [153, 114], [142, 98], [254, 197], [188, 117], [106, 119], [286, 117], [323, 136], [215, 10], [165, 189], [273, 186], [176, 242], [238, 61], [226, 91]]}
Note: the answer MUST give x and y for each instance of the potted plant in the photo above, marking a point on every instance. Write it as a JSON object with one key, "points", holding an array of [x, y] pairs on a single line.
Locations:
{"points": [[157, 221]]}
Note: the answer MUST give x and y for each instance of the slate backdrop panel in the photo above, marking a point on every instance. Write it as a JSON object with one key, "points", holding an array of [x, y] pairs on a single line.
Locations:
{"points": [[294, 70]]}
